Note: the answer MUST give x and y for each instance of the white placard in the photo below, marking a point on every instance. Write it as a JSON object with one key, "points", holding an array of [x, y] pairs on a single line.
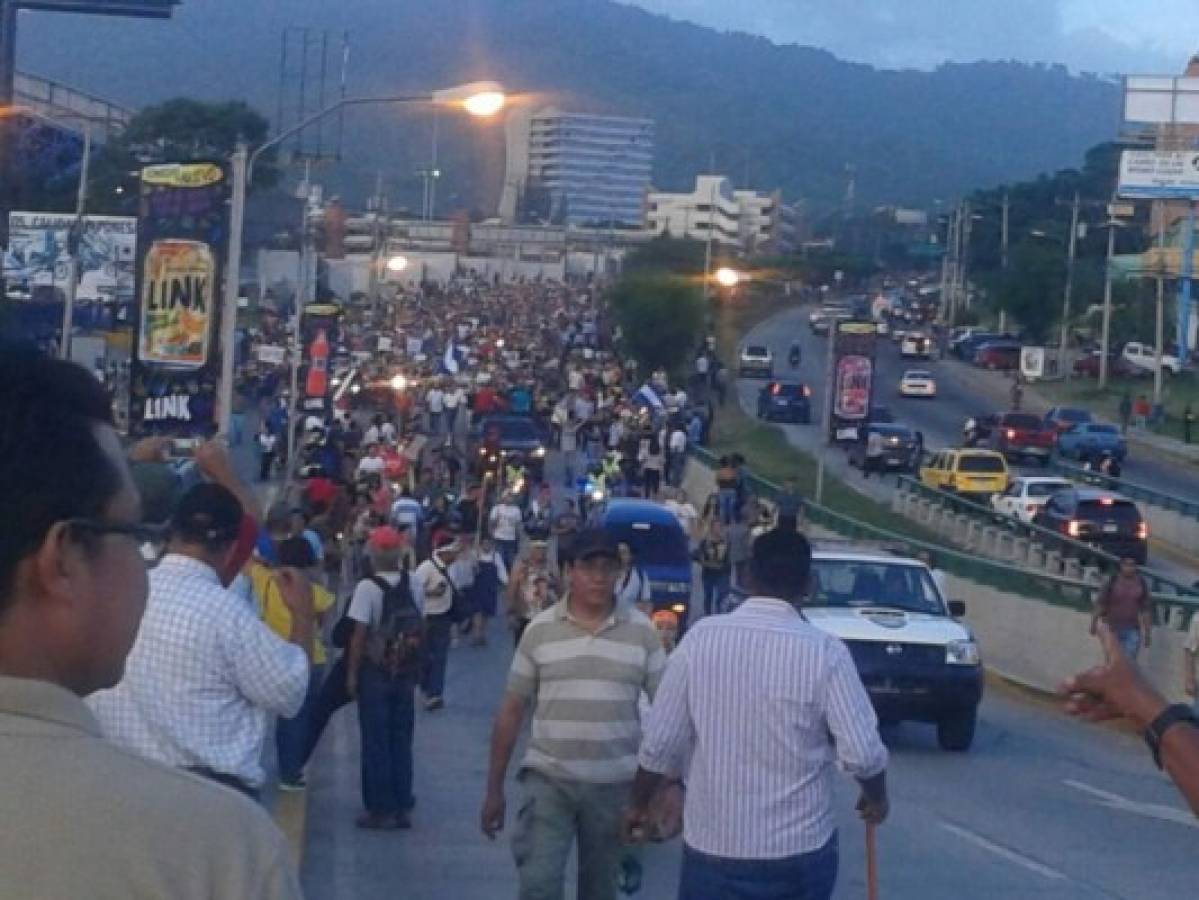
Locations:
{"points": [[271, 355], [1159, 174]]}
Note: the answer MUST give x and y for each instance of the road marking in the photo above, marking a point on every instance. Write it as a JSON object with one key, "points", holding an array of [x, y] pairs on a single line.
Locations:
{"points": [[1002, 852], [1149, 810]]}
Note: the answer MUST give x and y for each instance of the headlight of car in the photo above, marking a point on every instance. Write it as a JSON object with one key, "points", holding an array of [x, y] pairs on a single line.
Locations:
{"points": [[539, 453], [961, 653]]}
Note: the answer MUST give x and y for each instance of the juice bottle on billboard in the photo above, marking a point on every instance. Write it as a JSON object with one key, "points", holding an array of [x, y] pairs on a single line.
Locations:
{"points": [[318, 368], [178, 293]]}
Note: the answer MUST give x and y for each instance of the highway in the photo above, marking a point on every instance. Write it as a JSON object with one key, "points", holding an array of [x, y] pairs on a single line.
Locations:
{"points": [[962, 391]]}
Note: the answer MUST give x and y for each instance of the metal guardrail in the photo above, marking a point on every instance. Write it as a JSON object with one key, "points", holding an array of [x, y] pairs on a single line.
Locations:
{"points": [[1174, 603], [1130, 489], [1085, 553]]}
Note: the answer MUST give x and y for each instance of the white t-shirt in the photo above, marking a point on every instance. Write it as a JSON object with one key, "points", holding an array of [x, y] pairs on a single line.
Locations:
{"points": [[505, 522], [266, 442], [632, 587], [366, 605], [454, 398], [435, 400], [371, 436], [678, 441], [369, 465], [432, 589], [685, 513], [388, 432]]}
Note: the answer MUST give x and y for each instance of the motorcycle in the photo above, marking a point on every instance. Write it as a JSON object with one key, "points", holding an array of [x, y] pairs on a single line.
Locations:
{"points": [[794, 357]]}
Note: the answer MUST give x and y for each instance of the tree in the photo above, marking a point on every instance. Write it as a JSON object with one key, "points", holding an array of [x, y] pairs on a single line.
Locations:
{"points": [[682, 256], [661, 316]]}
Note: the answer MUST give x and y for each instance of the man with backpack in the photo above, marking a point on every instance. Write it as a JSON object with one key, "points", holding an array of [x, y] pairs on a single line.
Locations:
{"points": [[437, 592], [386, 651]]}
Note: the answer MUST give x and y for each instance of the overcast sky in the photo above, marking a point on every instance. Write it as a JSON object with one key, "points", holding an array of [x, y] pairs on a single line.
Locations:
{"points": [[1105, 36]]}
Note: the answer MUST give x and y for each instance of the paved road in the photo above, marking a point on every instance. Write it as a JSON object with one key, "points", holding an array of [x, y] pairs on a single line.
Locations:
{"points": [[962, 392]]}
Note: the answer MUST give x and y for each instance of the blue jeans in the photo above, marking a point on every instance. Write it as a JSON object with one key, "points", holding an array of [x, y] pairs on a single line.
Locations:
{"points": [[716, 588], [435, 423], [508, 551], [1130, 641], [807, 876], [386, 719], [437, 653], [292, 735]]}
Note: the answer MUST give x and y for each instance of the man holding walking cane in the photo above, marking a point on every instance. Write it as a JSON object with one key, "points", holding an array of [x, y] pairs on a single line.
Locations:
{"points": [[744, 715]]}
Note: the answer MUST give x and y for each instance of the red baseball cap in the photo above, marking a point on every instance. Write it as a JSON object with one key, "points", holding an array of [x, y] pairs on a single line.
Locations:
{"points": [[385, 538]]}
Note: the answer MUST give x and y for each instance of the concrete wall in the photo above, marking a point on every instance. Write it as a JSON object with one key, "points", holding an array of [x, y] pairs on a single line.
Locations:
{"points": [[1026, 640]]}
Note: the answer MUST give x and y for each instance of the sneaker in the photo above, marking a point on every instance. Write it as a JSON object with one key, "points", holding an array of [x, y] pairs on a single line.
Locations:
{"points": [[377, 822], [433, 704], [292, 785]]}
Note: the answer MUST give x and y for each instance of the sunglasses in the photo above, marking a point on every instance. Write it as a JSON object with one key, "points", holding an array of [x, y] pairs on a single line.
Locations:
{"points": [[151, 539]]}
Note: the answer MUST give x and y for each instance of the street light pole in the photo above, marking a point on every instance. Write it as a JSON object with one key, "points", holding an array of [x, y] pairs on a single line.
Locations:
{"points": [[1106, 329], [73, 242], [1003, 252], [232, 289], [1069, 290]]}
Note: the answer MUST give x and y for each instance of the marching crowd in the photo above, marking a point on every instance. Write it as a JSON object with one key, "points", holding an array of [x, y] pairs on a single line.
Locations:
{"points": [[154, 630]]}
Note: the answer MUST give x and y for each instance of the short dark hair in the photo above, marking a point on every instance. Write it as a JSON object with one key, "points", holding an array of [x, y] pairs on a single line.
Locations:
{"points": [[208, 515], [51, 464], [781, 562]]}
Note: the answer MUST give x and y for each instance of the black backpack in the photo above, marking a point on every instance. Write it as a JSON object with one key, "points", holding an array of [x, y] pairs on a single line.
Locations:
{"points": [[396, 645]]}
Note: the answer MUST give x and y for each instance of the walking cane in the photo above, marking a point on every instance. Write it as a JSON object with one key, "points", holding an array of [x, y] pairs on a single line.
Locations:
{"points": [[871, 863]]}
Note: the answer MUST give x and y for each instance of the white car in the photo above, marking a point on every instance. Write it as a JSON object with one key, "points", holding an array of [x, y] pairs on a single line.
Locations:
{"points": [[1144, 356], [756, 359], [916, 659], [915, 345], [917, 383], [1027, 494]]}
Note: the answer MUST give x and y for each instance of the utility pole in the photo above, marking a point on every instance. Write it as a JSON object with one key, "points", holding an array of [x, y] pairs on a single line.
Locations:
{"points": [[827, 412], [964, 276], [948, 266], [74, 239], [1071, 253], [1003, 251], [1159, 336], [232, 290], [1106, 329], [708, 245]]}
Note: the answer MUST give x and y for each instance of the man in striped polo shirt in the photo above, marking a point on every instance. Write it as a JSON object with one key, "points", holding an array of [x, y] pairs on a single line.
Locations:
{"points": [[582, 664]]}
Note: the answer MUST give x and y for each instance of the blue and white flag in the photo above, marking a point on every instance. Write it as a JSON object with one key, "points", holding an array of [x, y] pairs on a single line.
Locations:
{"points": [[647, 397], [450, 362]]}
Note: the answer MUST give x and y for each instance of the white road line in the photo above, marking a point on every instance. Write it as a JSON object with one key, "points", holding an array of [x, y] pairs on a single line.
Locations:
{"points": [[1124, 804], [1002, 852]]}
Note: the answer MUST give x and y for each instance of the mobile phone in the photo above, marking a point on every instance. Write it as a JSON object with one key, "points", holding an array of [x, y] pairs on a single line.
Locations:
{"points": [[184, 448]]}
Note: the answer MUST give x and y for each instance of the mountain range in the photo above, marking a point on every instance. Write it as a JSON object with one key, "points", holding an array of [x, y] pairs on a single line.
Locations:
{"points": [[769, 116]]}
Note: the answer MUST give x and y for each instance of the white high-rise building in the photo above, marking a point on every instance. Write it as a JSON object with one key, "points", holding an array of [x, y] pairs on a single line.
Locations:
{"points": [[578, 168], [746, 222]]}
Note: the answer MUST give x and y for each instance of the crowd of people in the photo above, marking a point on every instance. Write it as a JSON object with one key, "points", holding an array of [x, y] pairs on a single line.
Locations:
{"points": [[150, 643]]}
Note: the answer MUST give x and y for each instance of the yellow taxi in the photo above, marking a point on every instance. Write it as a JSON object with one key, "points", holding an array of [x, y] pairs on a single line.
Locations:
{"points": [[976, 474]]}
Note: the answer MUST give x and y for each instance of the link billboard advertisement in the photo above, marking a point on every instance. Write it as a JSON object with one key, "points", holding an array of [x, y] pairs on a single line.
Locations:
{"points": [[182, 237]]}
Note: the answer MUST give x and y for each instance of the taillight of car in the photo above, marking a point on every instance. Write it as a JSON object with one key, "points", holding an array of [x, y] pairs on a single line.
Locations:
{"points": [[774, 389], [1030, 507], [1142, 531], [807, 391], [1011, 434], [1074, 528]]}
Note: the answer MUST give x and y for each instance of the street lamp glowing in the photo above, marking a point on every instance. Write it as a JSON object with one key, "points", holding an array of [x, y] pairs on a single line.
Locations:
{"points": [[727, 278], [485, 104], [399, 383], [397, 264]]}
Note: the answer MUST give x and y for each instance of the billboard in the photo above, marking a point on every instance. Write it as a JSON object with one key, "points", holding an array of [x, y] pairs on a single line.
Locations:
{"points": [[853, 378], [1159, 174], [183, 234], [37, 261]]}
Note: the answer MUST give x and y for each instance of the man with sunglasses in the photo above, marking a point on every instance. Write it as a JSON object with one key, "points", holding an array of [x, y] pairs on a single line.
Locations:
{"points": [[582, 665], [206, 673], [86, 818]]}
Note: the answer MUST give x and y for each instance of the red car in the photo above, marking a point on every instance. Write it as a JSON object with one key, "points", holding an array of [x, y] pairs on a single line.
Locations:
{"points": [[1019, 435], [1117, 365], [1002, 356]]}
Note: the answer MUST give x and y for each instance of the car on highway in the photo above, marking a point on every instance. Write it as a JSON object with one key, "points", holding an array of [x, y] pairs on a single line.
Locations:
{"points": [[820, 320], [756, 360], [974, 474], [1063, 418], [902, 447], [785, 401], [1002, 355], [1020, 436], [917, 660], [513, 436], [1104, 519], [967, 342], [1091, 441], [917, 383], [659, 547], [1027, 494], [1143, 358], [916, 345]]}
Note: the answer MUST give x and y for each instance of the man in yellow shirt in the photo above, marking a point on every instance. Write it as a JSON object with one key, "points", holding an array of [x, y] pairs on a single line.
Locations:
{"points": [[292, 735]]}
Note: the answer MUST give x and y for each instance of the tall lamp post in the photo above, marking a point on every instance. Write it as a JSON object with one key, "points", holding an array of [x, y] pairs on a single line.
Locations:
{"points": [[481, 99]]}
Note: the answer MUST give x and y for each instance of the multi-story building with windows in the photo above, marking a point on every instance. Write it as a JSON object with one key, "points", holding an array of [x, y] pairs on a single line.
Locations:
{"points": [[578, 169], [745, 222]]}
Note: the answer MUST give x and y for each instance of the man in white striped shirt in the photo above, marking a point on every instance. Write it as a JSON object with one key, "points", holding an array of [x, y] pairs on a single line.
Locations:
{"points": [[582, 664], [745, 712]]}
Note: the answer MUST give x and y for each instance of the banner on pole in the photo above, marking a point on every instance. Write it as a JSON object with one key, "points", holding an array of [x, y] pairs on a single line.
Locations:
{"points": [[182, 238]]}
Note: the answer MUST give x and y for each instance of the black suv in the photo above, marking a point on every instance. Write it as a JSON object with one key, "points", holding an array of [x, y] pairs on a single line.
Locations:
{"points": [[1104, 519], [782, 401], [513, 436], [901, 447]]}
